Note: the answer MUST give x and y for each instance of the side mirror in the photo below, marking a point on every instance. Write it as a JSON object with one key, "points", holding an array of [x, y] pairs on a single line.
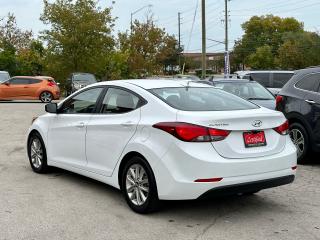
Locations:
{"points": [[51, 108]]}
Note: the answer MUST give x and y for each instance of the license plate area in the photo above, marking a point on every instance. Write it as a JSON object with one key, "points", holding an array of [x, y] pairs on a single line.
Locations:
{"points": [[254, 139]]}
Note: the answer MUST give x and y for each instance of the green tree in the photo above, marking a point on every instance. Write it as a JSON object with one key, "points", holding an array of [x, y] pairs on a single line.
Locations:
{"points": [[299, 50], [79, 38], [262, 59], [263, 31], [151, 50], [11, 34]]}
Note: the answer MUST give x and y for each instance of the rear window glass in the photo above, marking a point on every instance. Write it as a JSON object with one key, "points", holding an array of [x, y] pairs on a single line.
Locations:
{"points": [[201, 99], [262, 78], [309, 83], [280, 79]]}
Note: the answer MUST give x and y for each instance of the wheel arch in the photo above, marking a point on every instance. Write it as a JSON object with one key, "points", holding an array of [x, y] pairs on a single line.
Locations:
{"points": [[123, 162], [298, 118]]}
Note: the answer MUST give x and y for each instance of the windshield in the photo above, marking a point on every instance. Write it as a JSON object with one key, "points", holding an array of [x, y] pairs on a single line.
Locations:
{"points": [[246, 90], [84, 77], [201, 99], [4, 77]]}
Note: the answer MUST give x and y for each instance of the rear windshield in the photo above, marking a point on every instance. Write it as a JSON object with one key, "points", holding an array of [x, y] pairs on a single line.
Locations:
{"points": [[84, 77], [4, 77], [246, 90], [201, 99]]}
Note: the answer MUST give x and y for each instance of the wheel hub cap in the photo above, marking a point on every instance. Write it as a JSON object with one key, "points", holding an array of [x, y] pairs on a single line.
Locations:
{"points": [[137, 184], [36, 153], [298, 140]]}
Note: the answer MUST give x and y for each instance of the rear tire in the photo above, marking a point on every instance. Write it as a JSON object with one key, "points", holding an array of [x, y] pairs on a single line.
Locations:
{"points": [[139, 187], [37, 153], [46, 97], [299, 137]]}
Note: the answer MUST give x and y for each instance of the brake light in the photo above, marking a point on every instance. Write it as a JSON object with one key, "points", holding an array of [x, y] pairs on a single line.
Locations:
{"points": [[51, 83], [278, 100], [283, 129], [192, 133]]}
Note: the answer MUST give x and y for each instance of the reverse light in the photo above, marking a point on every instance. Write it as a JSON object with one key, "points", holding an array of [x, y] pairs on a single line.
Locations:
{"points": [[283, 129], [192, 133]]}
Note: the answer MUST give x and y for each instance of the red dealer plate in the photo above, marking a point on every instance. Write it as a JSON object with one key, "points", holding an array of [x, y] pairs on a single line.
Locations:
{"points": [[254, 139]]}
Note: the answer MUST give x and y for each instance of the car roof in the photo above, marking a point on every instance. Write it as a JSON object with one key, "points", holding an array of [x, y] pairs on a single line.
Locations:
{"points": [[156, 83], [226, 80], [308, 70], [32, 77], [262, 71]]}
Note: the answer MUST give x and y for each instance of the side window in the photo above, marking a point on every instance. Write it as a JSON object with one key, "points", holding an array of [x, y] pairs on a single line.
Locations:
{"points": [[34, 81], [19, 81], [119, 101], [309, 83], [262, 78], [280, 79], [84, 102]]}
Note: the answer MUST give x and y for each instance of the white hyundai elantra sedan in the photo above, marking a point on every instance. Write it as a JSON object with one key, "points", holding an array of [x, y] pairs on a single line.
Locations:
{"points": [[164, 140]]}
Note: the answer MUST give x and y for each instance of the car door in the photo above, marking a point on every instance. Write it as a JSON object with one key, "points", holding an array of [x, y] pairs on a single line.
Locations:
{"points": [[66, 136], [16, 87], [311, 103], [33, 86], [109, 132]]}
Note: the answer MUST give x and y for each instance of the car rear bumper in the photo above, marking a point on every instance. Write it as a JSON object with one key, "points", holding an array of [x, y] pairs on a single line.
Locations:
{"points": [[178, 171], [248, 187]]}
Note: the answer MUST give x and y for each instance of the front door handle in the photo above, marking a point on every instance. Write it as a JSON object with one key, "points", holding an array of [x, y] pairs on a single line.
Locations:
{"points": [[127, 124], [80, 125], [310, 101]]}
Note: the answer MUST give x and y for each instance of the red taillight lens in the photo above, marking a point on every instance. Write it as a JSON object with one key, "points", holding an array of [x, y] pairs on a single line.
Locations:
{"points": [[283, 129], [278, 100], [51, 83], [192, 133]]}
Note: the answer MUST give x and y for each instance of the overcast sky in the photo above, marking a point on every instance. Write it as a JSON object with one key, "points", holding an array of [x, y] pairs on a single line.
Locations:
{"points": [[166, 11]]}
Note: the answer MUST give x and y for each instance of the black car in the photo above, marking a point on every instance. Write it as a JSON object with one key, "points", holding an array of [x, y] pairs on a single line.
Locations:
{"points": [[299, 100]]}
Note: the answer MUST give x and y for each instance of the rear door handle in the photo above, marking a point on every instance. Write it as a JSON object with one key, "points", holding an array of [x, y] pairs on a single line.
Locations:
{"points": [[127, 124], [310, 101], [80, 125]]}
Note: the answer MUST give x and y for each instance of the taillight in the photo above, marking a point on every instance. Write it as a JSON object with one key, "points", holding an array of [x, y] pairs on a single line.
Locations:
{"points": [[278, 101], [51, 83], [192, 133], [283, 129]]}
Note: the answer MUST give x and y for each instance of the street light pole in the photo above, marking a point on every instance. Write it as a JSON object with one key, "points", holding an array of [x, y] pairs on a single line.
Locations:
{"points": [[226, 54], [133, 13], [204, 65]]}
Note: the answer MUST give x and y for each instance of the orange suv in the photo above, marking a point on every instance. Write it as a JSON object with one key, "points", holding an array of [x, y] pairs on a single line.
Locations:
{"points": [[27, 88]]}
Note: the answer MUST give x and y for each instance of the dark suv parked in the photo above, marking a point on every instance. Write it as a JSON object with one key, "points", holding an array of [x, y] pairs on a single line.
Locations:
{"points": [[79, 80], [299, 100]]}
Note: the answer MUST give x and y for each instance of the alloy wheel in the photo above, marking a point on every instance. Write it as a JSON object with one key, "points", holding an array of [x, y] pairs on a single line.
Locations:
{"points": [[137, 184], [36, 153], [46, 97], [298, 140]]}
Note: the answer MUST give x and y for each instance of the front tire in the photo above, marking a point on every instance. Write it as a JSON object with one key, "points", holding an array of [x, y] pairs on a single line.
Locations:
{"points": [[139, 187], [300, 139], [46, 97], [37, 153]]}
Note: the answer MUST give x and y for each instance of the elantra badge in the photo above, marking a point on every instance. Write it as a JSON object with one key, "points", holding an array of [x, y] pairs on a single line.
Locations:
{"points": [[257, 123]]}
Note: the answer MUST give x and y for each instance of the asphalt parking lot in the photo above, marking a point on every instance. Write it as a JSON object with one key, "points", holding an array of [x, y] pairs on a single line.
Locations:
{"points": [[63, 205]]}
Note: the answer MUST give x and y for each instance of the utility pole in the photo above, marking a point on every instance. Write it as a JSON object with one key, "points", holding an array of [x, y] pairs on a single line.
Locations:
{"points": [[204, 57], [179, 39], [226, 54]]}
